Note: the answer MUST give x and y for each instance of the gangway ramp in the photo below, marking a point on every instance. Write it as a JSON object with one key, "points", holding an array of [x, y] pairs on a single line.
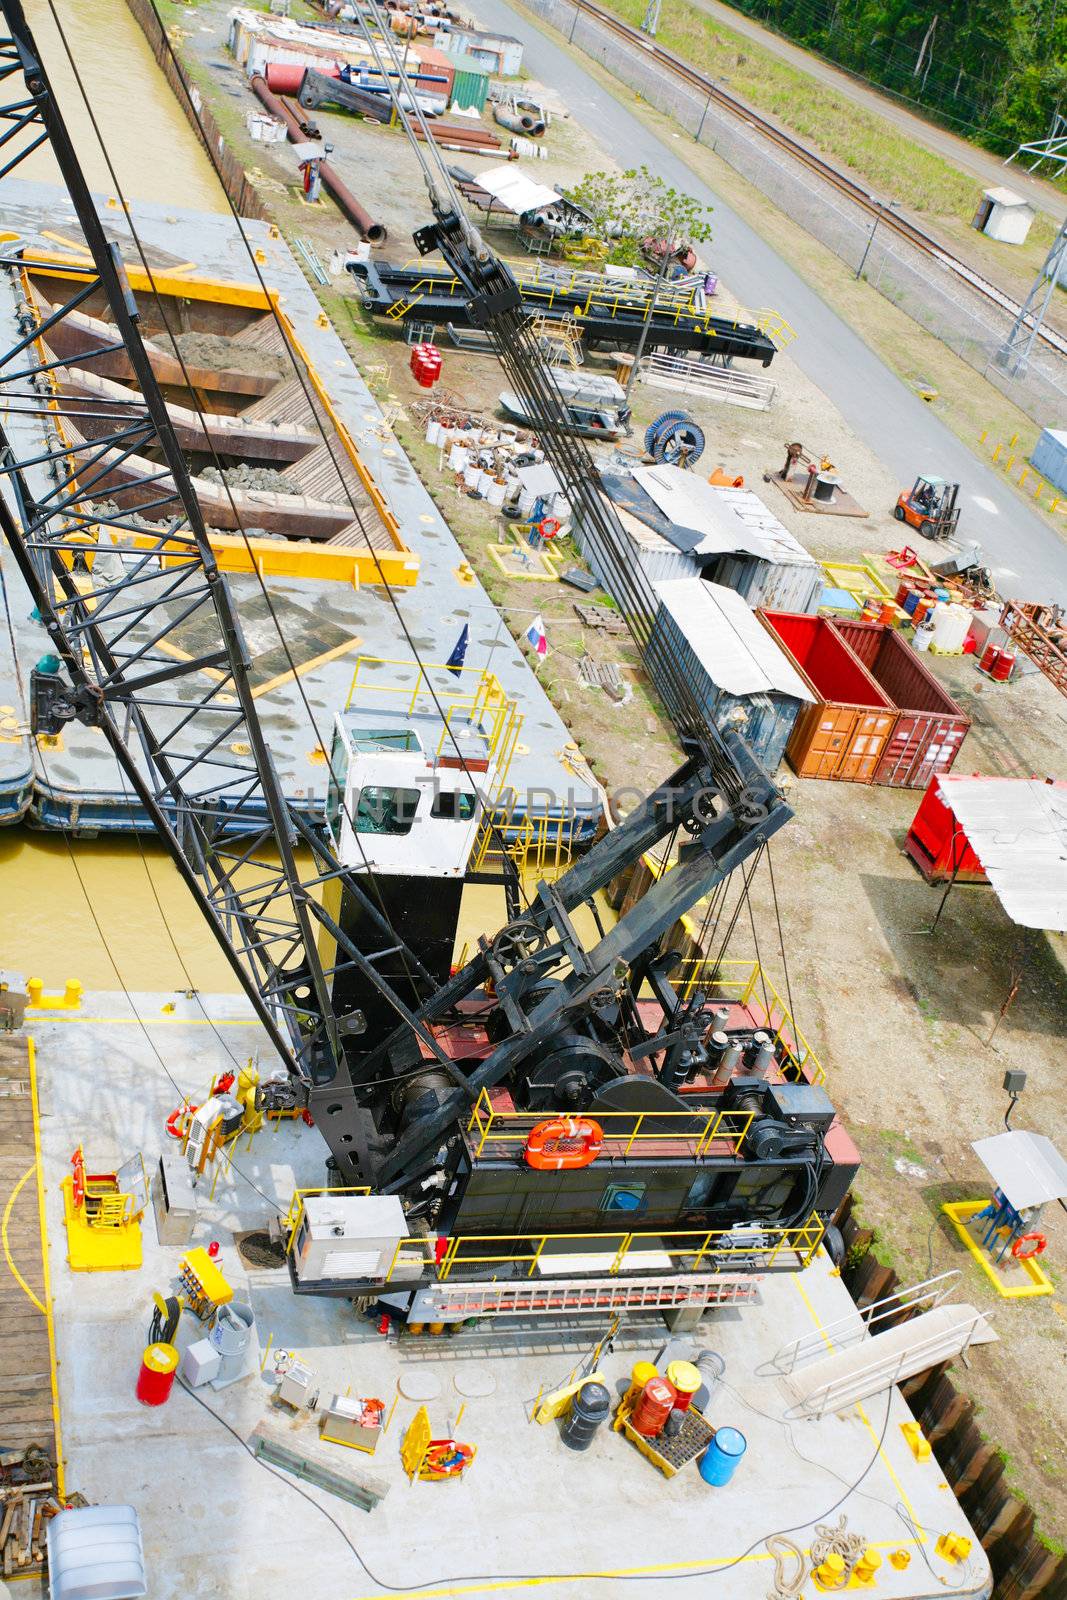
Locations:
{"points": [[842, 1378]]}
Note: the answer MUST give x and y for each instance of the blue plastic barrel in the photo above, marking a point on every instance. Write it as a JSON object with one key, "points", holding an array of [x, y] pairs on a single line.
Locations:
{"points": [[719, 1461]]}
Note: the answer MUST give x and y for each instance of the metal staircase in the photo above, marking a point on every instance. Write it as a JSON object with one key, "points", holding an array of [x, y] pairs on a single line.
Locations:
{"points": [[570, 1295]]}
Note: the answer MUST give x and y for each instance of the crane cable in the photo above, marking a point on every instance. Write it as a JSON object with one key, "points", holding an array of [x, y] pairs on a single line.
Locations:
{"points": [[371, 876]]}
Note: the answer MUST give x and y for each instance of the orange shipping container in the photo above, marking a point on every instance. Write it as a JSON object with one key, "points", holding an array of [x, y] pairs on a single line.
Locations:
{"points": [[844, 734]]}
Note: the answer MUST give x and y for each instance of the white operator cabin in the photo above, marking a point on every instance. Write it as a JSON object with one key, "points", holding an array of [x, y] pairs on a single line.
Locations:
{"points": [[414, 802]]}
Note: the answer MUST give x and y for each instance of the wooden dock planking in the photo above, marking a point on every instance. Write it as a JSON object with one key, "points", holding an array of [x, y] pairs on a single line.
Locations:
{"points": [[25, 1366]]}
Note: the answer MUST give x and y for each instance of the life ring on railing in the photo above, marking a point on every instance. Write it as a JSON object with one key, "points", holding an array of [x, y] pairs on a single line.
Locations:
{"points": [[175, 1120], [1039, 1241], [563, 1143]]}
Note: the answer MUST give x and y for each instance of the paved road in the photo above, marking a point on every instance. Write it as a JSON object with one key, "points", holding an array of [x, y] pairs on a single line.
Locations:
{"points": [[1026, 555], [982, 164]]}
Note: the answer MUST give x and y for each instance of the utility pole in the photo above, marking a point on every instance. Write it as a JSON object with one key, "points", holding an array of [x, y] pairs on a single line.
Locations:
{"points": [[1014, 354], [870, 237]]}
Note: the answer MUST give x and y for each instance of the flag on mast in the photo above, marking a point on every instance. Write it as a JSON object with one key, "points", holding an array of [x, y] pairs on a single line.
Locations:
{"points": [[536, 635], [459, 651]]}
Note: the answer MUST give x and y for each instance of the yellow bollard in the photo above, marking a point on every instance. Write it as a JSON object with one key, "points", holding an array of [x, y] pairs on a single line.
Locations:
{"points": [[953, 1547], [832, 1572], [866, 1567], [901, 1559], [983, 436], [1013, 440], [918, 1444], [69, 1000]]}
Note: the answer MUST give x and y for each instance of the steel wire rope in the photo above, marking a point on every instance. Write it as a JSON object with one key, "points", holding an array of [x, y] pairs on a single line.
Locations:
{"points": [[371, 876], [302, 380], [781, 946], [509, 335], [851, 1488]]}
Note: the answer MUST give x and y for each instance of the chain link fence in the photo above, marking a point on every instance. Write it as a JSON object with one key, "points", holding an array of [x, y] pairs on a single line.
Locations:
{"points": [[927, 291]]}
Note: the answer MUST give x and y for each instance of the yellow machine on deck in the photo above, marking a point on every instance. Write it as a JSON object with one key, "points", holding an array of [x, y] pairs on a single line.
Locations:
{"points": [[102, 1212]]}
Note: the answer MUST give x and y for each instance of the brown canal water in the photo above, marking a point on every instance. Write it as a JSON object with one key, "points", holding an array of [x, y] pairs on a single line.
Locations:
{"points": [[47, 928], [154, 151]]}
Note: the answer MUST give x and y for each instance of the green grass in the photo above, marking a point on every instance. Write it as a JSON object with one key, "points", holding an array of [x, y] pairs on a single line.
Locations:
{"points": [[856, 138]]}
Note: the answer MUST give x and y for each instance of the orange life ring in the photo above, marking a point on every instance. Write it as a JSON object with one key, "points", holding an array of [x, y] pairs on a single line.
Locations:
{"points": [[1040, 1244], [548, 527], [563, 1143], [174, 1121], [77, 1183], [445, 1458]]}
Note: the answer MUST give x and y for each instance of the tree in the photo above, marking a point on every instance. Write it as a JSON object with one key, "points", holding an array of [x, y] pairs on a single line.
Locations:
{"points": [[632, 207]]}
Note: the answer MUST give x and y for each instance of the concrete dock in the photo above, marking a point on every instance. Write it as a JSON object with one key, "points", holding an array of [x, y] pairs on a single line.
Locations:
{"points": [[529, 1512]]}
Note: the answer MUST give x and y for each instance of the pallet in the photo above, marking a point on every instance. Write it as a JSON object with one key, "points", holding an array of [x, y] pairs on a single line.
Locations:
{"points": [[594, 616], [842, 505]]}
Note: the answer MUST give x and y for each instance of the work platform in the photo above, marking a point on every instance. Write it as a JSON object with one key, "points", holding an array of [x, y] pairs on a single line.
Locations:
{"points": [[529, 1512], [327, 621]]}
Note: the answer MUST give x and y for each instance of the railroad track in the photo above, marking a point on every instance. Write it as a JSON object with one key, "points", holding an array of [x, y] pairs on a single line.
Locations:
{"points": [[853, 191]]}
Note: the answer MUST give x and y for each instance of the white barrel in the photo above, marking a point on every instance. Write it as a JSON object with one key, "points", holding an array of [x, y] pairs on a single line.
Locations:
{"points": [[484, 480], [458, 458], [527, 501], [471, 474], [433, 432], [495, 492]]}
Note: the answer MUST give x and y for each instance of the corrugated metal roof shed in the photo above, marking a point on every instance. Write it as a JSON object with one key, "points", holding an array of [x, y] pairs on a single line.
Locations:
{"points": [[735, 651], [1017, 827], [727, 520]]}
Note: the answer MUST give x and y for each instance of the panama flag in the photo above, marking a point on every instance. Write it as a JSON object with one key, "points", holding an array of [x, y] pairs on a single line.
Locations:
{"points": [[536, 635]]}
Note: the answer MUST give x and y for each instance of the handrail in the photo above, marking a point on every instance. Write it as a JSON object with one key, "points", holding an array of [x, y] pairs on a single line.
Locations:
{"points": [[861, 1320], [839, 1392], [695, 1245], [514, 1127]]}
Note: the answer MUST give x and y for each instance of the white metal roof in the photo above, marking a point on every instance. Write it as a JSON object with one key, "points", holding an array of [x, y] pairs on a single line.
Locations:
{"points": [[1026, 1167], [728, 520], [515, 190], [729, 641], [1017, 827], [1006, 197]]}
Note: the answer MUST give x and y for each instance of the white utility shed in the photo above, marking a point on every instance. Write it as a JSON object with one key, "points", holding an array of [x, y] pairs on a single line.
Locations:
{"points": [[1004, 215]]}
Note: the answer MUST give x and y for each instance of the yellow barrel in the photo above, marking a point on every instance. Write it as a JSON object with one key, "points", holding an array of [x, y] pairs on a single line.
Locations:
{"points": [[642, 1371], [686, 1380]]}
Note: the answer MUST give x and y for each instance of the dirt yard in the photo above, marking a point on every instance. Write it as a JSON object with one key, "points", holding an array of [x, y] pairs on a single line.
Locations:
{"points": [[900, 1017]]}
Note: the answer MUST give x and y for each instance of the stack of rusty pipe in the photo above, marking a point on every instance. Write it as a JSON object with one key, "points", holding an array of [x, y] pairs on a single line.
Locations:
{"points": [[300, 133]]}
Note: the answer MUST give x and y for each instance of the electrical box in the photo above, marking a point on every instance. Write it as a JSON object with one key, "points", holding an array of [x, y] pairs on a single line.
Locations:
{"points": [[348, 1238], [800, 1105], [297, 1387], [351, 1421], [173, 1200], [200, 1363]]}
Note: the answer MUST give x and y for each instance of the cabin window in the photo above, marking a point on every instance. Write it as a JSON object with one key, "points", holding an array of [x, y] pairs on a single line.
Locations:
{"points": [[628, 1198], [382, 810], [453, 807]]}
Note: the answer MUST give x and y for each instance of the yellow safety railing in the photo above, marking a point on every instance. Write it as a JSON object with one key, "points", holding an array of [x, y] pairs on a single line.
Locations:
{"points": [[486, 705], [700, 1129], [295, 1214], [691, 1248], [541, 846], [746, 982]]}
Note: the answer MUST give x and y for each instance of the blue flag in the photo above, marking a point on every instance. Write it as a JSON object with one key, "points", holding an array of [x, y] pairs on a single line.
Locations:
{"points": [[459, 651]]}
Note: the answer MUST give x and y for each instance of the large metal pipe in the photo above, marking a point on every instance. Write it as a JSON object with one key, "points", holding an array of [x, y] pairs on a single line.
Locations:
{"points": [[346, 201]]}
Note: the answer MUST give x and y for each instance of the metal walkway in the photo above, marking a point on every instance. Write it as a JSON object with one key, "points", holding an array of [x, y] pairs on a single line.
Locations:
{"points": [[572, 1295]]}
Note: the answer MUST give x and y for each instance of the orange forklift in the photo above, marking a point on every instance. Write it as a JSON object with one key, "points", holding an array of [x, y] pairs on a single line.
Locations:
{"points": [[930, 507]]}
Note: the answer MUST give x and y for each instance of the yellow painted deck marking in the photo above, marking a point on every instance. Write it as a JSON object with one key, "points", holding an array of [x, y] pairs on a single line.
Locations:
{"points": [[46, 1271], [15, 1273]]}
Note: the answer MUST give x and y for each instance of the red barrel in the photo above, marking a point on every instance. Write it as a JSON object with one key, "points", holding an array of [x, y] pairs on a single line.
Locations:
{"points": [[653, 1408], [1003, 666], [990, 657], [156, 1377], [685, 1380]]}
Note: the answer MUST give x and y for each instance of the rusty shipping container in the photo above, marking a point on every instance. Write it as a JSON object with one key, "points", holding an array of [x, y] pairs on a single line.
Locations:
{"points": [[930, 727], [844, 734]]}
